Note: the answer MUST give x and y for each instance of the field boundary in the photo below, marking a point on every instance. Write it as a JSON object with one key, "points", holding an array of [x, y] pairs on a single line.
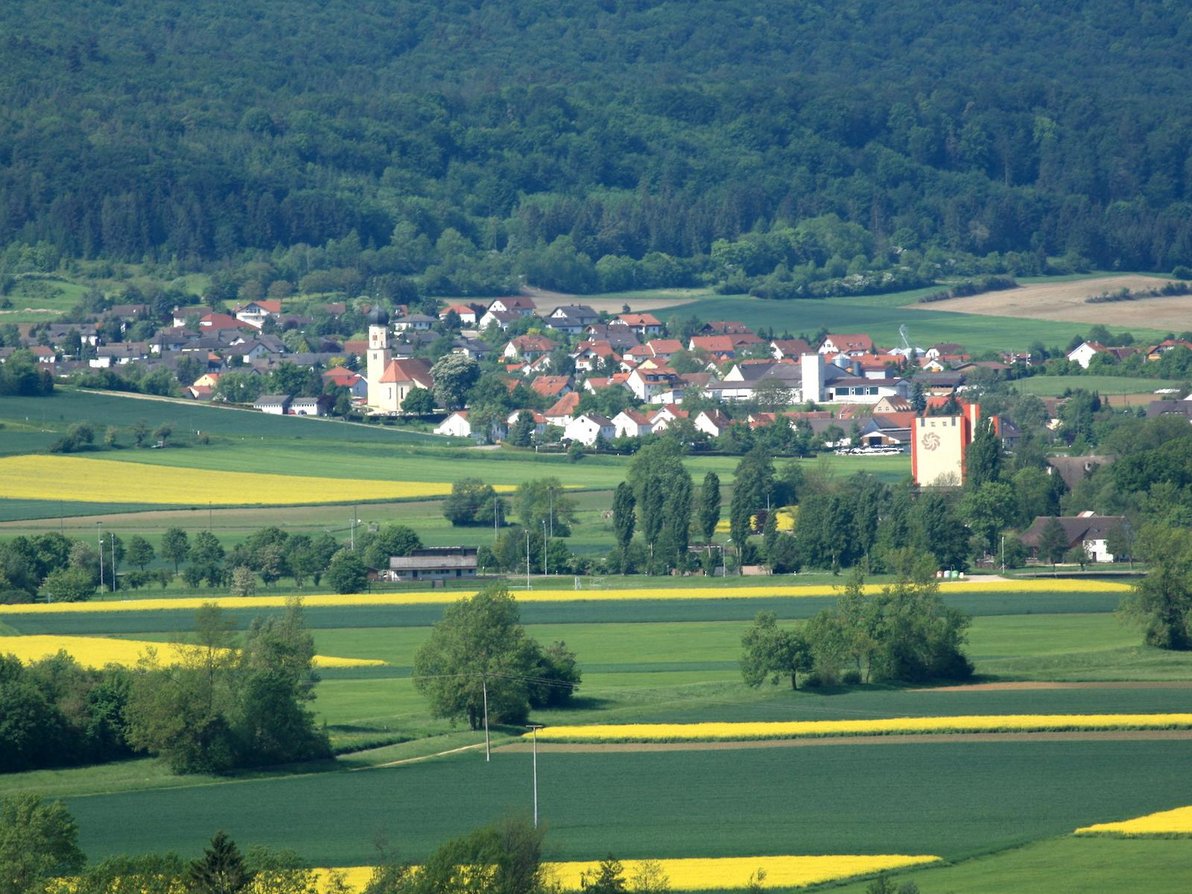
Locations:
{"points": [[1123, 735]]}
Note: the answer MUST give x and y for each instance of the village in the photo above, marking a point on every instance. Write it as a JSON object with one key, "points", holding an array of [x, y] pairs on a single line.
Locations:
{"points": [[646, 378]]}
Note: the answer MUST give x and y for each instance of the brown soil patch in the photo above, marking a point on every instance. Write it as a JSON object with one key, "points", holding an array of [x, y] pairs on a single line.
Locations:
{"points": [[1124, 735], [547, 300], [1064, 302]]}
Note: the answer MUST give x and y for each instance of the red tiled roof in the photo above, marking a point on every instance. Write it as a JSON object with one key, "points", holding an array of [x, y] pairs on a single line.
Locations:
{"points": [[410, 370]]}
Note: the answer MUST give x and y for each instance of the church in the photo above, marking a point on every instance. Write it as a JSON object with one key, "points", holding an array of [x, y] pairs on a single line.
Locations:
{"points": [[390, 380]]}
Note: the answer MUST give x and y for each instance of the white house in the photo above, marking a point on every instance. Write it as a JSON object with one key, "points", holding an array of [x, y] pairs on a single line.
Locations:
{"points": [[647, 383], [1084, 352], [455, 426], [632, 424], [587, 427], [851, 344], [518, 304], [255, 313], [711, 422], [661, 419]]}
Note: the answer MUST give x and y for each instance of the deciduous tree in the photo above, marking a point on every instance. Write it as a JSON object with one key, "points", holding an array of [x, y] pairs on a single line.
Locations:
{"points": [[709, 506], [771, 653], [1161, 602], [175, 546], [480, 650], [39, 841]]}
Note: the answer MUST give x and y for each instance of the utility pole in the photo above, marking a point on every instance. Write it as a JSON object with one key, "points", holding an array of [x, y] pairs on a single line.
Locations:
{"points": [[527, 558], [487, 748], [544, 548], [534, 727], [99, 543], [113, 563]]}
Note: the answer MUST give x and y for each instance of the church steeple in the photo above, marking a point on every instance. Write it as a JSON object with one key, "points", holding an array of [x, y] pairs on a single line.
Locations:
{"points": [[378, 352]]}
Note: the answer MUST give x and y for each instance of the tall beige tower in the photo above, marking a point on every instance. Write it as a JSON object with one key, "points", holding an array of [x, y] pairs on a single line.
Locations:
{"points": [[378, 353]]}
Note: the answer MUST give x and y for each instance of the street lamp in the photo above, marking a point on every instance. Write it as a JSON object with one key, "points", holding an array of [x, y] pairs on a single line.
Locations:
{"points": [[534, 727]]}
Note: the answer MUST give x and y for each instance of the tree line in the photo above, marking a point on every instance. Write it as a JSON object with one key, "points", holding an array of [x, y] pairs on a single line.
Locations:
{"points": [[224, 703], [57, 568]]}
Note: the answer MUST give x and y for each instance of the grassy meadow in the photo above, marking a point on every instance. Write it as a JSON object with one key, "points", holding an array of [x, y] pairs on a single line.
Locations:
{"points": [[1057, 386]]}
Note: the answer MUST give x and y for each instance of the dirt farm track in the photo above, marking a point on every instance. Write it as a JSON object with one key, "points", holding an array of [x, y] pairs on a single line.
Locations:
{"points": [[1065, 302]]}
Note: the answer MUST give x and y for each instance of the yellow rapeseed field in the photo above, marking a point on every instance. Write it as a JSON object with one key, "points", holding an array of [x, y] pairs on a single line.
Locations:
{"points": [[104, 481], [673, 732], [97, 651], [439, 597], [723, 873], [1166, 822]]}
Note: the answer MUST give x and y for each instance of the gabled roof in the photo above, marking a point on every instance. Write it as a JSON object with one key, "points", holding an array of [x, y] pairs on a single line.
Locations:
{"points": [[341, 374], [268, 305], [564, 406], [1074, 469], [725, 327], [636, 416], [664, 346], [1077, 528], [219, 321], [846, 342], [791, 347], [539, 343], [639, 319], [715, 416], [408, 370], [550, 386], [713, 344]]}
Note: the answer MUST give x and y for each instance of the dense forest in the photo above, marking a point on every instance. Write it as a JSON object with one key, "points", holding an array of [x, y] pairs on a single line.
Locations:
{"points": [[405, 147]]}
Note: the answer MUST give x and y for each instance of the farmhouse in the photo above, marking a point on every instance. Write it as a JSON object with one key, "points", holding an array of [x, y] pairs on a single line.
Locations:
{"points": [[434, 563], [1088, 531]]}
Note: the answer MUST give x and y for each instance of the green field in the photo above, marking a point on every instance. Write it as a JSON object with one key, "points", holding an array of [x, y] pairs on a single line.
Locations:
{"points": [[889, 798], [973, 803], [1061, 864], [1057, 386], [881, 316], [50, 416], [39, 299]]}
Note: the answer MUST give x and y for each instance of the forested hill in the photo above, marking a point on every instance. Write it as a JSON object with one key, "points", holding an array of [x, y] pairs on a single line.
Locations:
{"points": [[448, 145]]}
